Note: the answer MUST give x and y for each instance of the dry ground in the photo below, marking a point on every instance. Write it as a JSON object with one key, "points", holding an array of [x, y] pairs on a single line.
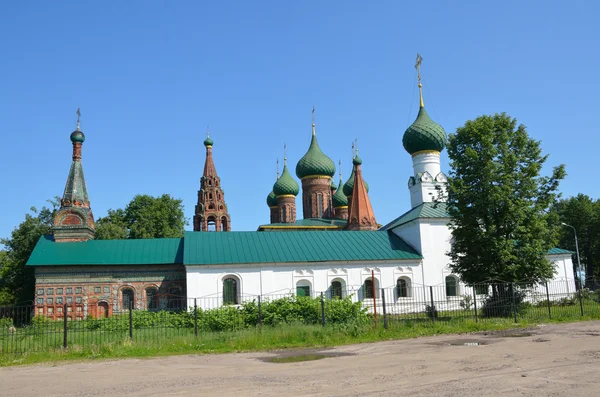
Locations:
{"points": [[554, 360]]}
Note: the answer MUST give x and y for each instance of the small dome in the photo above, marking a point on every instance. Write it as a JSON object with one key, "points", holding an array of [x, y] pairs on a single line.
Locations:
{"points": [[286, 185], [77, 136], [208, 141], [272, 200], [339, 199], [357, 160], [424, 134], [333, 185], [315, 162], [349, 185]]}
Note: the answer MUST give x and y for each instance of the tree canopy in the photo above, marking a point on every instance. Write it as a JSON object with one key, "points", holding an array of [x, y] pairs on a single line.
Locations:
{"points": [[144, 217], [583, 213], [499, 203], [18, 281]]}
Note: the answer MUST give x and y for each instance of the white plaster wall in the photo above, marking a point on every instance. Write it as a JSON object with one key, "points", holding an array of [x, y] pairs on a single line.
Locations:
{"points": [[205, 281], [426, 162]]}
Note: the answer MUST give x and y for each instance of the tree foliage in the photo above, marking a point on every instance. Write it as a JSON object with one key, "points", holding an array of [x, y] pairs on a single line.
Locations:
{"points": [[583, 213], [18, 281], [144, 217], [499, 203]]}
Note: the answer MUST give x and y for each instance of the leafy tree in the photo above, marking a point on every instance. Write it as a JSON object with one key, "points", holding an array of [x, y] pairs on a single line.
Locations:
{"points": [[144, 217], [18, 281], [499, 203], [583, 213]]}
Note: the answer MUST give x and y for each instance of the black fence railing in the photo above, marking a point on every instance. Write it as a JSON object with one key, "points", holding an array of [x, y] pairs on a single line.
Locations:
{"points": [[28, 328]]}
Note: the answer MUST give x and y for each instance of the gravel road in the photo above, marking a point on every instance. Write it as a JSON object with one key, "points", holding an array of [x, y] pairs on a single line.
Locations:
{"points": [[552, 360]]}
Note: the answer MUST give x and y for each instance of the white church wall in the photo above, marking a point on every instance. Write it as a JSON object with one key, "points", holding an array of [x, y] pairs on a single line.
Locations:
{"points": [[277, 280]]}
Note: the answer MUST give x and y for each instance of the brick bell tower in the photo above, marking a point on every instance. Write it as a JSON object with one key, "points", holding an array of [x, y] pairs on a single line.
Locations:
{"points": [[211, 211], [74, 220]]}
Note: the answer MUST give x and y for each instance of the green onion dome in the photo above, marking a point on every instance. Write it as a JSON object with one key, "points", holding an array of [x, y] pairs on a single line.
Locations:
{"points": [[315, 162], [349, 185], [333, 185], [424, 134], [286, 185], [272, 200], [339, 199], [208, 141], [77, 136]]}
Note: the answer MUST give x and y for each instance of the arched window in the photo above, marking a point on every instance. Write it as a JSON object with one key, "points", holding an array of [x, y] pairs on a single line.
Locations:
{"points": [[319, 205], [151, 298], [127, 298], [224, 224], [303, 288], [336, 289], [403, 287], [211, 225], [283, 217], [230, 291], [369, 288], [175, 298], [451, 286]]}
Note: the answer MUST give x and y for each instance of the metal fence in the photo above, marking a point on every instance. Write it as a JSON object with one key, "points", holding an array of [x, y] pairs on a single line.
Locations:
{"points": [[23, 329]]}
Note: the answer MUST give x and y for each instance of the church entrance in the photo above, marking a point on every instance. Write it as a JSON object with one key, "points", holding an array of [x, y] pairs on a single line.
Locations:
{"points": [[102, 311]]}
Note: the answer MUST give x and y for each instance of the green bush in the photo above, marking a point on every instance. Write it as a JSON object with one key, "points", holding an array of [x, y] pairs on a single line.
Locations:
{"points": [[503, 301]]}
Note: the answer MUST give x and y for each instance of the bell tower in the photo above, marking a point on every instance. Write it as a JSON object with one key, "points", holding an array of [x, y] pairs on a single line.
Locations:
{"points": [[211, 211], [74, 220]]}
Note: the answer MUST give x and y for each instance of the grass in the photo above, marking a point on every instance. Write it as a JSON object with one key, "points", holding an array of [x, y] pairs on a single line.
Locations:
{"points": [[165, 342]]}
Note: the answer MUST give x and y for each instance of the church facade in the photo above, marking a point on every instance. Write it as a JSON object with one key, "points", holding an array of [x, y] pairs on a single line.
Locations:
{"points": [[337, 248]]}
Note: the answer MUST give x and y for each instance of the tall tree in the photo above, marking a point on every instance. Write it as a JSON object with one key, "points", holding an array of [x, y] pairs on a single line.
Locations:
{"points": [[583, 213], [18, 281], [144, 217], [499, 203]]}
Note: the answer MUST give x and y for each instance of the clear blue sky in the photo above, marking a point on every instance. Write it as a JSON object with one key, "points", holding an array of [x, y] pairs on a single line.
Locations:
{"points": [[149, 76]]}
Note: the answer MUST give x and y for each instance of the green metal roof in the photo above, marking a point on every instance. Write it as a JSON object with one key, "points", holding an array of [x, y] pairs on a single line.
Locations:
{"points": [[560, 251], [290, 247], [424, 134], [286, 185], [425, 210], [307, 223], [315, 162], [156, 251]]}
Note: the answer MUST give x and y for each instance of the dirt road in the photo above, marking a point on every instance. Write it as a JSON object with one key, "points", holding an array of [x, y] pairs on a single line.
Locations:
{"points": [[553, 360]]}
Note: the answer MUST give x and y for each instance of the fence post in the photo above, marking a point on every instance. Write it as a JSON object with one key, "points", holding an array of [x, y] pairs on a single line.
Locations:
{"points": [[432, 310], [385, 319], [580, 300], [475, 304], [548, 301], [195, 317], [65, 326], [514, 302], [322, 310], [259, 311], [131, 320]]}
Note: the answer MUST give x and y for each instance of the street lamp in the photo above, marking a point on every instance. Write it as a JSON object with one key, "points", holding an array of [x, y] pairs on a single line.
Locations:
{"points": [[581, 282]]}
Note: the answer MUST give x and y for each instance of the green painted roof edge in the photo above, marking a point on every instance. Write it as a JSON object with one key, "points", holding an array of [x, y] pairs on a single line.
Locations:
{"points": [[168, 251], [418, 212]]}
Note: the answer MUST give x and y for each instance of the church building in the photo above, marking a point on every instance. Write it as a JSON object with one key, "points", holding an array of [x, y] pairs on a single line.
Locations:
{"points": [[336, 248]]}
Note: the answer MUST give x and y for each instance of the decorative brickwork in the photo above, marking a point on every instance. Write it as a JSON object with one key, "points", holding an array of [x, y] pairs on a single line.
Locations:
{"points": [[360, 214], [211, 211], [74, 220], [316, 197], [101, 291], [286, 206]]}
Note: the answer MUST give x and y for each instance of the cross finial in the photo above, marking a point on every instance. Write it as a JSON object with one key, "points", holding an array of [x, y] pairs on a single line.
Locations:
{"points": [[277, 169], [418, 67], [352, 149], [284, 154], [78, 117], [340, 165], [207, 132]]}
